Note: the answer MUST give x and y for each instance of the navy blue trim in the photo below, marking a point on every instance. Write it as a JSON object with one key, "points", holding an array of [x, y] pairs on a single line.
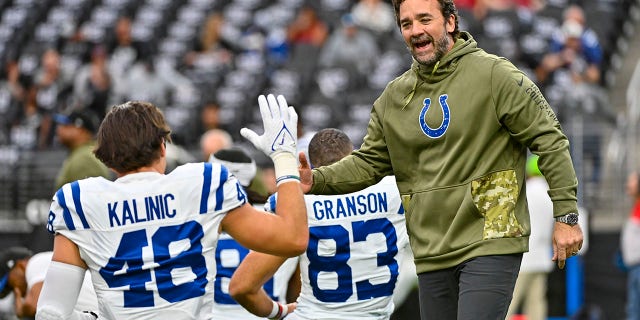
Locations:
{"points": [[224, 175], [66, 214], [75, 193], [206, 188]]}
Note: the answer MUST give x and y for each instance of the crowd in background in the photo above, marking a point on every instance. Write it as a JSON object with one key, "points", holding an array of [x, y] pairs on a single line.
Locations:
{"points": [[202, 60], [328, 57]]}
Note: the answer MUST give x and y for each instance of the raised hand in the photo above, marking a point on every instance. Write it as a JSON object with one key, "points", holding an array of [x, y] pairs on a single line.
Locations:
{"points": [[280, 127], [279, 138]]}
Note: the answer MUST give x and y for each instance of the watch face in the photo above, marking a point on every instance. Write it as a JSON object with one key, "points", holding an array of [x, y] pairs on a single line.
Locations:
{"points": [[572, 218]]}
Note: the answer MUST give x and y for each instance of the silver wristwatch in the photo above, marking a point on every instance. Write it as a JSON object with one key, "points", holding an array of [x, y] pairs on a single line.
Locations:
{"points": [[569, 218]]}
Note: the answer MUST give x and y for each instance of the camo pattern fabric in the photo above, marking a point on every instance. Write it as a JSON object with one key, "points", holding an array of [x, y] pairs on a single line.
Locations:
{"points": [[495, 197]]}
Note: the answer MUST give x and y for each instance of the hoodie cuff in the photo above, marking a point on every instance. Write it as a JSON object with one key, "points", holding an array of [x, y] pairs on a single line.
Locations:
{"points": [[318, 182], [563, 207]]}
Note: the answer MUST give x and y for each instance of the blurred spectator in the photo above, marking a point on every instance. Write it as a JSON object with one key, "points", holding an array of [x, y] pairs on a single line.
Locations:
{"points": [[144, 82], [213, 52], [76, 132], [496, 24], [306, 35], [530, 292], [209, 117], [32, 125], [53, 83], [92, 85], [570, 74], [465, 4], [212, 141], [123, 50], [630, 245], [123, 53], [374, 15], [22, 273], [277, 48], [307, 28], [74, 44], [575, 49], [351, 48], [12, 93]]}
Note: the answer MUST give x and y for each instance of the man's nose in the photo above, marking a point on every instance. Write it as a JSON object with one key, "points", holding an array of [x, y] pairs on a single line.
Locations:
{"points": [[416, 30]]}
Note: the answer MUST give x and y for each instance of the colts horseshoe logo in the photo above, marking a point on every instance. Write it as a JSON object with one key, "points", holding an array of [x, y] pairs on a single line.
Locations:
{"points": [[439, 131]]}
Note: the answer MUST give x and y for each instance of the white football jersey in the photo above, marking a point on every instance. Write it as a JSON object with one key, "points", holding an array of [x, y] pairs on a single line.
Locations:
{"points": [[149, 239], [229, 254], [36, 271], [352, 262]]}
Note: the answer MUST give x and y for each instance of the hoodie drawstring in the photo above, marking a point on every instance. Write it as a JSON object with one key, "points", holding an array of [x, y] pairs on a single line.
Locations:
{"points": [[409, 95]]}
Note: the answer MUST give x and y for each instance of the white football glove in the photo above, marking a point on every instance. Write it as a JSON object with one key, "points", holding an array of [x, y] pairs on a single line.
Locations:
{"points": [[280, 136]]}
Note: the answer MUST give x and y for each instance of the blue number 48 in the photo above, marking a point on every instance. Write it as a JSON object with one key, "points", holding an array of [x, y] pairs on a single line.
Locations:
{"points": [[126, 269]]}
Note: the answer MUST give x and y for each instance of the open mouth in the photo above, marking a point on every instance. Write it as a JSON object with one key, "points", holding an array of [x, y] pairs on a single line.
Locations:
{"points": [[421, 43]]}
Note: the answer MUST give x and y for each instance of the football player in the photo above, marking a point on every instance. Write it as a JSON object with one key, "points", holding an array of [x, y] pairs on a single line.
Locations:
{"points": [[351, 265], [149, 238], [283, 286]]}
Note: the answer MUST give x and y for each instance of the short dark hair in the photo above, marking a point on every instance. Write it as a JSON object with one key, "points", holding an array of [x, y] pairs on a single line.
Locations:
{"points": [[447, 8], [130, 136], [328, 146]]}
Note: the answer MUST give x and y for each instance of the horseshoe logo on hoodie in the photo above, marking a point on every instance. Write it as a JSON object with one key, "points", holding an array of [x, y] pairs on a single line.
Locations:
{"points": [[439, 131]]}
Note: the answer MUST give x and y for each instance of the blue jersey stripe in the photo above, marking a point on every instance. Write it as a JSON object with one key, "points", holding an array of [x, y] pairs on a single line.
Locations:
{"points": [[206, 188], [272, 203], [224, 175], [66, 214], [75, 192]]}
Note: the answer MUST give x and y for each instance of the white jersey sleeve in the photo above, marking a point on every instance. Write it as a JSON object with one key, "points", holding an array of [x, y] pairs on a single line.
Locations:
{"points": [[149, 239], [352, 262], [36, 271], [36, 268]]}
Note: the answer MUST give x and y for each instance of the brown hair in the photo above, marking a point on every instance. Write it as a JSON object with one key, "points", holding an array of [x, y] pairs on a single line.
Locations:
{"points": [[130, 136], [210, 34], [328, 146], [447, 8]]}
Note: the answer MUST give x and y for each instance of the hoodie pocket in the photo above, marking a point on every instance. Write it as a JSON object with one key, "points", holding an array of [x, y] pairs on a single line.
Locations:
{"points": [[495, 197]]}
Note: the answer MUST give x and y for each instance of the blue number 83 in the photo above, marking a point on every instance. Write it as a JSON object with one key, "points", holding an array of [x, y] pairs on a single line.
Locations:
{"points": [[338, 263], [135, 276]]}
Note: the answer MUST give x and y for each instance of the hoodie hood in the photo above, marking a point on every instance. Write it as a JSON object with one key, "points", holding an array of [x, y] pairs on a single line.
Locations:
{"points": [[465, 44]]}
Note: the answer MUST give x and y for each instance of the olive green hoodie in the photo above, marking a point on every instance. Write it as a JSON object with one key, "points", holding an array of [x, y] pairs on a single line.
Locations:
{"points": [[456, 137]]}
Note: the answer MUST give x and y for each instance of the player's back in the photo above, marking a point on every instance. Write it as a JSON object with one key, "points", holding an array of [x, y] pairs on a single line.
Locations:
{"points": [[350, 268], [229, 254], [149, 239]]}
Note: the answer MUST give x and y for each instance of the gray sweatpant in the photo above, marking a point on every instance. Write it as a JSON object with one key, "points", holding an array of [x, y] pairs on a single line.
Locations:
{"points": [[477, 289]]}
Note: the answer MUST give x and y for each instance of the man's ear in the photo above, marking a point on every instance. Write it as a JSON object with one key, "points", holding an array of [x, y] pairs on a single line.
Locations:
{"points": [[450, 24]]}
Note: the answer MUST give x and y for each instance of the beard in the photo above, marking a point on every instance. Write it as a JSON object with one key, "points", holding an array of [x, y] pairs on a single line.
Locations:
{"points": [[440, 48]]}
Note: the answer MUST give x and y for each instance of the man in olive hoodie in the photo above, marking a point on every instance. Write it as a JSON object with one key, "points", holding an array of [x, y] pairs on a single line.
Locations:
{"points": [[454, 130]]}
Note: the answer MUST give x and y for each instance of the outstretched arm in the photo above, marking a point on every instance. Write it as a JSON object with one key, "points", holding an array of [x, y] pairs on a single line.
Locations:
{"points": [[286, 232], [247, 281]]}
